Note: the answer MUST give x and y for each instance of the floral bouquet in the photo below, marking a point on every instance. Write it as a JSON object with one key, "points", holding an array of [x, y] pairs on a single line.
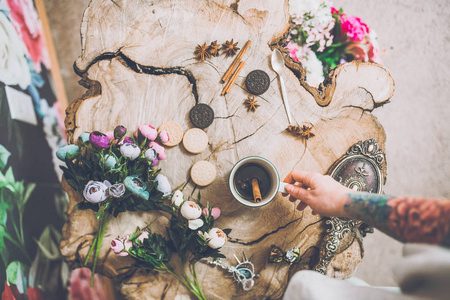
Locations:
{"points": [[323, 37], [115, 173], [191, 234]]}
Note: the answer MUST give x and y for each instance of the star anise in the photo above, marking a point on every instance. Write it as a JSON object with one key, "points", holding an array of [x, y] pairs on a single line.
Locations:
{"points": [[250, 103], [294, 130], [306, 132], [229, 48], [201, 52], [213, 49], [303, 132]]}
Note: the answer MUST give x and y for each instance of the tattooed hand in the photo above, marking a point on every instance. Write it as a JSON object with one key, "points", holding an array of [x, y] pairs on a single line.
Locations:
{"points": [[407, 219], [322, 193]]}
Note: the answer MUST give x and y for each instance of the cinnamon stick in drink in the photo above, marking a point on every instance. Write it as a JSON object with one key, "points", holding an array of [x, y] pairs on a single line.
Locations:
{"points": [[256, 191]]}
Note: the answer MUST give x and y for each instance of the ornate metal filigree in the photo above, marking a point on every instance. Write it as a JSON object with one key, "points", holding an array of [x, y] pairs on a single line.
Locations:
{"points": [[359, 169]]}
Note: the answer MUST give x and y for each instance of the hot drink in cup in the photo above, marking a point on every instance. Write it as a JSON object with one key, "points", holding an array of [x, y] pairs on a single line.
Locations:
{"points": [[254, 181]]}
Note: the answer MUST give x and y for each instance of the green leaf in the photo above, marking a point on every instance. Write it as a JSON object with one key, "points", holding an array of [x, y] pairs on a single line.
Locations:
{"points": [[4, 155], [15, 274], [25, 193], [4, 253], [9, 176], [49, 243]]}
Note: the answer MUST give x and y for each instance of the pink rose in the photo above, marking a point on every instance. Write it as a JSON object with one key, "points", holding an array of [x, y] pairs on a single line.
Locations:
{"points": [[164, 136], [110, 135], [159, 149], [28, 26], [293, 48], [334, 11], [148, 131], [127, 243], [353, 29], [144, 235], [117, 247], [215, 212]]}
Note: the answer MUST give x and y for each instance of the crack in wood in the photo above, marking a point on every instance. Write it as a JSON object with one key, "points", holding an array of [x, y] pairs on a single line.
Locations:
{"points": [[246, 137], [238, 241], [138, 68], [227, 117]]}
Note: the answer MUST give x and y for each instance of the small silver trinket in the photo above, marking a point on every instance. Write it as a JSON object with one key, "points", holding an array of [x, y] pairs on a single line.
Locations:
{"points": [[243, 272]]}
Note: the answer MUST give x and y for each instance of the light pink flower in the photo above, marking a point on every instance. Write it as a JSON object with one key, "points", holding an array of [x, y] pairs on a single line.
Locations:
{"points": [[164, 136], [293, 48], [215, 212], [117, 247], [127, 243], [28, 26], [110, 135], [144, 235], [148, 131], [159, 149]]}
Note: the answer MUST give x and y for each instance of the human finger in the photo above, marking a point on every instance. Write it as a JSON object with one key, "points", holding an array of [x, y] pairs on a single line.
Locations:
{"points": [[297, 191], [292, 199], [297, 184], [302, 205]]}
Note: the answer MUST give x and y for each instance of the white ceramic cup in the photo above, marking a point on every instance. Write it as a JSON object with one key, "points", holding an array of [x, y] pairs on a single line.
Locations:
{"points": [[276, 186]]}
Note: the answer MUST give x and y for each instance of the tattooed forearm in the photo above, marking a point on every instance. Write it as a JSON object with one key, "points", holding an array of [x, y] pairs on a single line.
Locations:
{"points": [[406, 219]]}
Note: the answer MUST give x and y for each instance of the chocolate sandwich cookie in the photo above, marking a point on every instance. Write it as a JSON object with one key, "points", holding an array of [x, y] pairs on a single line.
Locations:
{"points": [[201, 115], [257, 82]]}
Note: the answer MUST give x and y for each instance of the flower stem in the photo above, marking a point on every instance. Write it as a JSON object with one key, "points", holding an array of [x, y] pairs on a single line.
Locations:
{"points": [[98, 243]]}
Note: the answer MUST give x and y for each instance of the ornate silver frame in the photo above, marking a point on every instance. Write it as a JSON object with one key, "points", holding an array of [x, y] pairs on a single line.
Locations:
{"points": [[366, 152]]}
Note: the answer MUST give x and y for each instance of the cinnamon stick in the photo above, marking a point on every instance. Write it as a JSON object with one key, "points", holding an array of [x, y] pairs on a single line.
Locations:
{"points": [[233, 78], [256, 191], [235, 62]]}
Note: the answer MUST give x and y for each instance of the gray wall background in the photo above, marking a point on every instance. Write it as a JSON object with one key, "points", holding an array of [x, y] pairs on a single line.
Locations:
{"points": [[415, 37]]}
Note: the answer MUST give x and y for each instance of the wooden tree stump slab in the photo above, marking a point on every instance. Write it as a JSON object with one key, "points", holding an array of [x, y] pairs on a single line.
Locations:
{"points": [[138, 62]]}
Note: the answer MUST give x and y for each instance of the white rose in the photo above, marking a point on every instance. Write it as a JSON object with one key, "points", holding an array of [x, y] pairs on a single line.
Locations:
{"points": [[95, 191], [191, 210], [177, 198], [195, 224], [130, 151], [217, 237], [13, 65], [163, 184]]}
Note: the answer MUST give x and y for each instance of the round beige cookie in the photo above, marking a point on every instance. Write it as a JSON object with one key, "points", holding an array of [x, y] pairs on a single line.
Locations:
{"points": [[195, 140], [203, 173], [175, 132]]}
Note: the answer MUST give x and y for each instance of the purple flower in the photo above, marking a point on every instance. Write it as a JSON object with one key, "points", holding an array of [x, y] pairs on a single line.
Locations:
{"points": [[119, 131], [99, 140], [126, 140]]}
